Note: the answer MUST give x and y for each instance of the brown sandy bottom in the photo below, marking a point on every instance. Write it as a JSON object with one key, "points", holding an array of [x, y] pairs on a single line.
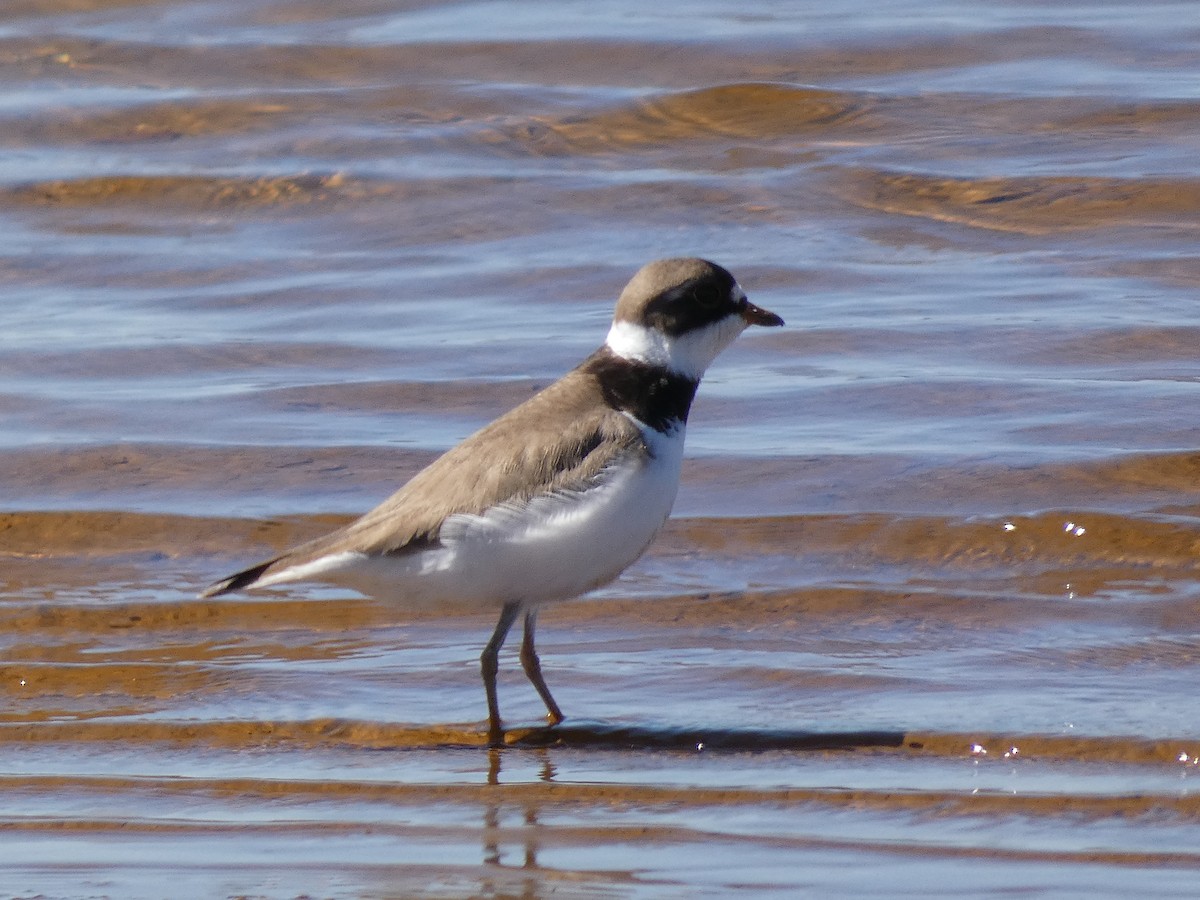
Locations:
{"points": [[829, 733], [925, 624], [424, 816]]}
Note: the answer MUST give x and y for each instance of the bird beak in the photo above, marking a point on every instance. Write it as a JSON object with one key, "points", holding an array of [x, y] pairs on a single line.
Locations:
{"points": [[756, 315]]}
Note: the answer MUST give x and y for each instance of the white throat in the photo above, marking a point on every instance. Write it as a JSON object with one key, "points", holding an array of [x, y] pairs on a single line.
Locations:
{"points": [[686, 354]]}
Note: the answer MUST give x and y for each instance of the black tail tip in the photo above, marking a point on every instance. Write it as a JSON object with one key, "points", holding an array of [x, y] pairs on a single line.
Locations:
{"points": [[243, 579]]}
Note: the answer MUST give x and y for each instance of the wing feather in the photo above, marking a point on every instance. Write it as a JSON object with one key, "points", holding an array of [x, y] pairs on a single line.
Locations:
{"points": [[561, 439]]}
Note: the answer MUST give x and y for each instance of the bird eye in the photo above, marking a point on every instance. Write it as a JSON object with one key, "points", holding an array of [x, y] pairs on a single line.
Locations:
{"points": [[707, 296]]}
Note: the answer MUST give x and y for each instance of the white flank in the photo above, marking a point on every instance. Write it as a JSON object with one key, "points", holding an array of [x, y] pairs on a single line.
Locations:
{"points": [[686, 354], [554, 547]]}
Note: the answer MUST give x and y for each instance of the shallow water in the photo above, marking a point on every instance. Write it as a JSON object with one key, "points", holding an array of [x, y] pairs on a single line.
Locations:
{"points": [[925, 621]]}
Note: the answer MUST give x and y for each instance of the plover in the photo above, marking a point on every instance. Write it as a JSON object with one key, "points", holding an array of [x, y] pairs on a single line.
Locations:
{"points": [[557, 496]]}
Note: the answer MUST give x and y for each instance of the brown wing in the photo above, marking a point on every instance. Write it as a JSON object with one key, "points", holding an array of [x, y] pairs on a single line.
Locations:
{"points": [[560, 439], [557, 440]]}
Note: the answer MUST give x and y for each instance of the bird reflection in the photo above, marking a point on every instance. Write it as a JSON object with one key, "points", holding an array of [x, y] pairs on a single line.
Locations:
{"points": [[494, 833]]}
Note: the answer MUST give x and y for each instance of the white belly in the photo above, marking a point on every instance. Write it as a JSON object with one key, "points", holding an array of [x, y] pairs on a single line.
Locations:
{"points": [[552, 548]]}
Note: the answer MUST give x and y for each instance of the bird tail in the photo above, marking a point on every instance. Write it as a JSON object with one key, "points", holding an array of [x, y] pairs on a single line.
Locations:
{"points": [[243, 579]]}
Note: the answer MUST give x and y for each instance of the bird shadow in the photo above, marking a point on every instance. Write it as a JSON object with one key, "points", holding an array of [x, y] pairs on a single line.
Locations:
{"points": [[603, 736]]}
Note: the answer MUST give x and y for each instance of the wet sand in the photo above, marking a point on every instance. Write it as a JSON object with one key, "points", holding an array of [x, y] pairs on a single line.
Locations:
{"points": [[925, 621]]}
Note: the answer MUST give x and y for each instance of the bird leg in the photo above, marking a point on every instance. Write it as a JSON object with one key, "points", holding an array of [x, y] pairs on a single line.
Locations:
{"points": [[489, 665], [533, 669]]}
